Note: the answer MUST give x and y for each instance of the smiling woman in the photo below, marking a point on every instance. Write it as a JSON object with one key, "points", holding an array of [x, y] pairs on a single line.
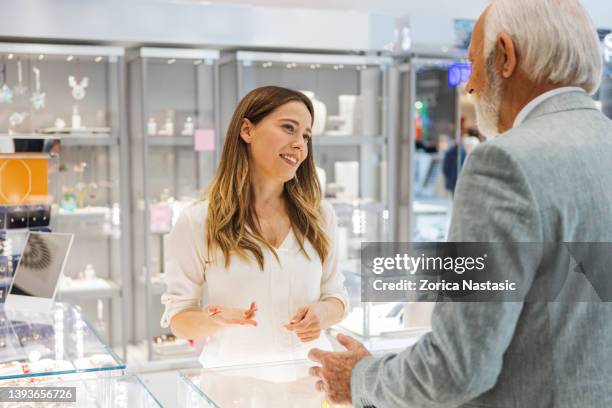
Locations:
{"points": [[262, 238], [267, 145]]}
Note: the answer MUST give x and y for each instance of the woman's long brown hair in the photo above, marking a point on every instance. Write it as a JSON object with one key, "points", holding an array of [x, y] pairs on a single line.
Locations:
{"points": [[231, 221]]}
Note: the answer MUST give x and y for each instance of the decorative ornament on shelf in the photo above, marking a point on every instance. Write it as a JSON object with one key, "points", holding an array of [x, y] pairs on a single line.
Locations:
{"points": [[348, 121], [92, 189], [76, 118], [320, 113], [168, 128], [6, 93], [59, 123], [151, 127], [187, 126], [38, 98], [20, 89], [69, 200], [89, 273], [15, 120], [77, 83], [78, 88]]}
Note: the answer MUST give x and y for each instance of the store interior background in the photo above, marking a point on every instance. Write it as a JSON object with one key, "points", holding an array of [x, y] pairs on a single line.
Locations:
{"points": [[163, 79]]}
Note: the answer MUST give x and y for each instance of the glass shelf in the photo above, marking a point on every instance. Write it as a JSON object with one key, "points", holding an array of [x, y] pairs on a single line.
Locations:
{"points": [[57, 344]]}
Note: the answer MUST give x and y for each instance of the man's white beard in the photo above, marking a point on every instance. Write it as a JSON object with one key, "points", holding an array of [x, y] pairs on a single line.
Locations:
{"points": [[488, 105]]}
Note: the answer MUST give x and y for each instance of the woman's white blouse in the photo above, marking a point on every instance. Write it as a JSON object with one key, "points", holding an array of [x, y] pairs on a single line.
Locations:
{"points": [[279, 289]]}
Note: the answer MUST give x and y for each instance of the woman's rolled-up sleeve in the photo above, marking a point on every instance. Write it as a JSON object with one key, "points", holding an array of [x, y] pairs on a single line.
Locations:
{"points": [[332, 281], [184, 264]]}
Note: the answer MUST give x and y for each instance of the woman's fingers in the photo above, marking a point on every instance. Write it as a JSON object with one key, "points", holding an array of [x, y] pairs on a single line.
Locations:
{"points": [[309, 323], [299, 315], [307, 339], [248, 322], [309, 335], [250, 312], [212, 310], [238, 321]]}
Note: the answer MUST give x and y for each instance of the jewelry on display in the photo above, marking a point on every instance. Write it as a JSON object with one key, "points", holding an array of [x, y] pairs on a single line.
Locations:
{"points": [[6, 94], [36, 256], [78, 86], [38, 98], [20, 89]]}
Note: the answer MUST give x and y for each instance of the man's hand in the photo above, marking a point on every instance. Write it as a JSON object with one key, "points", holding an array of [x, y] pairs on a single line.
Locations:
{"points": [[336, 368]]}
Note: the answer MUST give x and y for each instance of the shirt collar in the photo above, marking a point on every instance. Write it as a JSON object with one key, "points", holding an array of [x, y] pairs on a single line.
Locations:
{"points": [[520, 118]]}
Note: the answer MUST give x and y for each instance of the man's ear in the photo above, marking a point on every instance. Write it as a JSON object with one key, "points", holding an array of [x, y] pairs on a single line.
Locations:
{"points": [[246, 130], [507, 55]]}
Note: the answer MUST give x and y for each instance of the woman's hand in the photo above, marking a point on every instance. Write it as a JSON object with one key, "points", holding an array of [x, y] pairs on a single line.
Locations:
{"points": [[230, 316], [309, 320]]}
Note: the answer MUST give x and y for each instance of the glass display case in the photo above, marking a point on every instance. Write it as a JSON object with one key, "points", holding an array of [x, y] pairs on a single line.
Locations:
{"points": [[66, 101], [52, 346], [437, 131], [174, 132], [438, 127], [121, 392], [285, 384], [59, 349]]}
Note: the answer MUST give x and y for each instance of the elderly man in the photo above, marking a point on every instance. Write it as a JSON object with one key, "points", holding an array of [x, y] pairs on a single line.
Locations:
{"points": [[547, 177]]}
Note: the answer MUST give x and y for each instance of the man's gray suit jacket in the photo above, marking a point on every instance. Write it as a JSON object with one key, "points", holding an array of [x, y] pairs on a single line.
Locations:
{"points": [[547, 180]]}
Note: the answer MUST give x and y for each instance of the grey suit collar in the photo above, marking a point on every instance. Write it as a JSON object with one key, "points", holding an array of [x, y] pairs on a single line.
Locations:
{"points": [[559, 103]]}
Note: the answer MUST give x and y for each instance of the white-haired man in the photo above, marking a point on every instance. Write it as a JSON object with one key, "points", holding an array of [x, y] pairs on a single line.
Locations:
{"points": [[546, 178]]}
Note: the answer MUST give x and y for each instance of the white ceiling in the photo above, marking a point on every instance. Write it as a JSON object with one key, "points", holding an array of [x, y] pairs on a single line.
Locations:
{"points": [[600, 10]]}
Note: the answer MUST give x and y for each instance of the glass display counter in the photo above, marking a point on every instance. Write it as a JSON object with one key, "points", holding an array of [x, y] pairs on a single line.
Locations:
{"points": [[95, 392], [37, 347], [60, 349], [285, 384]]}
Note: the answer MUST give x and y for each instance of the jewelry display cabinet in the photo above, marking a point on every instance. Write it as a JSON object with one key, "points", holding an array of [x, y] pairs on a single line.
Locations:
{"points": [[66, 101], [174, 134]]}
